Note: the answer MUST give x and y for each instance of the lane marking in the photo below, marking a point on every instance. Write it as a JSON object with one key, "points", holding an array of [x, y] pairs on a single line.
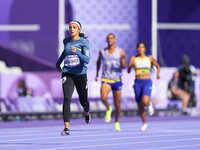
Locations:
{"points": [[129, 143], [76, 127], [90, 135], [170, 147], [107, 139]]}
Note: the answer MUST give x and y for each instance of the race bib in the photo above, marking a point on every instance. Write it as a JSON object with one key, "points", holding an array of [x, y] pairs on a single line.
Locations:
{"points": [[143, 64], [72, 61]]}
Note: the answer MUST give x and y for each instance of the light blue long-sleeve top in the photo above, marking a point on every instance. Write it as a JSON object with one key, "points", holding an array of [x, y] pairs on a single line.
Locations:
{"points": [[74, 63]]}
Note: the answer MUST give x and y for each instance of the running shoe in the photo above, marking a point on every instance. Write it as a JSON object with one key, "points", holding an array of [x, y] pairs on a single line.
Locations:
{"points": [[117, 126], [150, 109], [65, 132], [184, 113], [88, 118], [144, 127], [108, 115]]}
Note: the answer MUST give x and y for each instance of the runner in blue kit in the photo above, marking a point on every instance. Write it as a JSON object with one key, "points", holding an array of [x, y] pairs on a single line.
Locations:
{"points": [[74, 73], [143, 84], [113, 61]]}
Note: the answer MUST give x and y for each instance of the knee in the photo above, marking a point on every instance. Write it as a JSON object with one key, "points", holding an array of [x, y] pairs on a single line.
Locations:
{"points": [[185, 96], [146, 102], [118, 104], [104, 97], [67, 99], [188, 95]]}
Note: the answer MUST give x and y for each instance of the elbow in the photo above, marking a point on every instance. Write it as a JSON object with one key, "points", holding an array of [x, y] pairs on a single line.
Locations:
{"points": [[87, 61], [123, 65]]}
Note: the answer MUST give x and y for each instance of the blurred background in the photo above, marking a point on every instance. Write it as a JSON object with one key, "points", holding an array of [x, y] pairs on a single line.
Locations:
{"points": [[31, 35]]}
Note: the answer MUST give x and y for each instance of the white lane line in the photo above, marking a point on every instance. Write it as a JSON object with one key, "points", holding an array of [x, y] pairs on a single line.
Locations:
{"points": [[74, 127], [32, 133], [122, 138], [76, 131], [18, 135], [88, 135], [79, 127], [15, 145], [182, 131], [75, 136], [129, 143], [47, 133], [13, 131], [30, 128], [108, 139], [103, 126], [170, 147], [153, 124], [20, 27]]}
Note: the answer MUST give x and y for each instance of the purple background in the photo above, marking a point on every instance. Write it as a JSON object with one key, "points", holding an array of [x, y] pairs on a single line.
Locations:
{"points": [[172, 44], [37, 51], [43, 44]]}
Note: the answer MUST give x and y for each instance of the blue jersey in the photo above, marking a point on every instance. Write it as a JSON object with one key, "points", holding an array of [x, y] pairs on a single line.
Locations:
{"points": [[74, 63]]}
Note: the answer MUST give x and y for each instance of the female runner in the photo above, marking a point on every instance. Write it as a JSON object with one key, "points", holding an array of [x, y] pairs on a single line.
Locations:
{"points": [[74, 72], [143, 84]]}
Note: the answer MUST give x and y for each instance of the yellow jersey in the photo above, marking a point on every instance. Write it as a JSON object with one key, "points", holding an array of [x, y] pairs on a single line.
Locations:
{"points": [[142, 65]]}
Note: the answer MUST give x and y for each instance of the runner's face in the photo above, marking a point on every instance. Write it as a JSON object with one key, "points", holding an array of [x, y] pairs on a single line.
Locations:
{"points": [[73, 30], [111, 39], [141, 49]]}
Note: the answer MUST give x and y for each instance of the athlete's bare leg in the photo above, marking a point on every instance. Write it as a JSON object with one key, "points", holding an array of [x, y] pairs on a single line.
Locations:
{"points": [[117, 102], [142, 112], [105, 89]]}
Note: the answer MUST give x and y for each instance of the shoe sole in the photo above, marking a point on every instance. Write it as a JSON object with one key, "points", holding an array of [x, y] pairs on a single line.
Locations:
{"points": [[64, 134], [142, 130], [88, 121], [107, 121]]}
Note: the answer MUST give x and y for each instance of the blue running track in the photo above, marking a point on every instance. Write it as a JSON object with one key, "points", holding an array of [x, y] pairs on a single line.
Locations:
{"points": [[163, 133]]}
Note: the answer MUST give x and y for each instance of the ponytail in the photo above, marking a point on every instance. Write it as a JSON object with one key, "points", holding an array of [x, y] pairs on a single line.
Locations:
{"points": [[83, 35]]}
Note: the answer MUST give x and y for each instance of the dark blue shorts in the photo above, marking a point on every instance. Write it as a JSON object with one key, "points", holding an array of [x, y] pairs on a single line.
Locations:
{"points": [[115, 84], [142, 87]]}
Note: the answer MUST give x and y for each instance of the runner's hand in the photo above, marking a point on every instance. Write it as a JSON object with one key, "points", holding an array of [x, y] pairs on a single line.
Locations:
{"points": [[59, 69]]}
